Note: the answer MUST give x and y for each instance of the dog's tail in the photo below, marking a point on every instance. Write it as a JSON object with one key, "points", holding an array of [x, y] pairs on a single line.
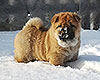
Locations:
{"points": [[37, 22]]}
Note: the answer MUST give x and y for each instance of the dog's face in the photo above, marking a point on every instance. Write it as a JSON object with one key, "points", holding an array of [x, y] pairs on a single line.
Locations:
{"points": [[66, 28]]}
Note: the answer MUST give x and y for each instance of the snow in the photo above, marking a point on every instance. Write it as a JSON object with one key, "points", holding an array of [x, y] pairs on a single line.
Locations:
{"points": [[87, 67]]}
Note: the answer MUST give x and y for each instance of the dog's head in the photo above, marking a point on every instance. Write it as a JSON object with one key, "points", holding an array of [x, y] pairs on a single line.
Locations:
{"points": [[66, 27]]}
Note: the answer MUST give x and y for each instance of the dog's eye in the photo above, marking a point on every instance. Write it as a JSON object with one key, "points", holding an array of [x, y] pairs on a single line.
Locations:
{"points": [[73, 26], [58, 26]]}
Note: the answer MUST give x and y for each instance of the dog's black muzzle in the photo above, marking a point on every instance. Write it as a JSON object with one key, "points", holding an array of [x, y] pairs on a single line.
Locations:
{"points": [[66, 34]]}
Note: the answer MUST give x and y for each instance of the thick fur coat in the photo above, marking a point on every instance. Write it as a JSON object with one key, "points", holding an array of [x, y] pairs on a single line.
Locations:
{"points": [[59, 44]]}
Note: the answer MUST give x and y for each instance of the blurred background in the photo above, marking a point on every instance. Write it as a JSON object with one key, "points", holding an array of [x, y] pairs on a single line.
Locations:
{"points": [[15, 13]]}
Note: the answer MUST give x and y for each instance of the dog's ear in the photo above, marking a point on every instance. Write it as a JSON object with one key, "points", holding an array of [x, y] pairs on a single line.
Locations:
{"points": [[76, 17], [55, 19]]}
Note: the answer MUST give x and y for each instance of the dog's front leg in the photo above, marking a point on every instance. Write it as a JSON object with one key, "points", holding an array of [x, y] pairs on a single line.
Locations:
{"points": [[56, 59], [75, 57]]}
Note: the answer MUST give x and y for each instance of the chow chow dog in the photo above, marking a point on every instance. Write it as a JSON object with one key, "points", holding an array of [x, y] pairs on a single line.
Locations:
{"points": [[57, 45]]}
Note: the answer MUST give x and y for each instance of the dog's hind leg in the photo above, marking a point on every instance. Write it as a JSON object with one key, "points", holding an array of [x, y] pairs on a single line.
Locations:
{"points": [[22, 56]]}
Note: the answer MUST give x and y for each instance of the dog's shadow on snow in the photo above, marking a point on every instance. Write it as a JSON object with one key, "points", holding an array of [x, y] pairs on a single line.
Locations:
{"points": [[82, 60], [90, 58]]}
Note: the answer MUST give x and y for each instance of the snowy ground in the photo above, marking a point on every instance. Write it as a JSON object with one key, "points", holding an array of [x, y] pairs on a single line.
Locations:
{"points": [[87, 67]]}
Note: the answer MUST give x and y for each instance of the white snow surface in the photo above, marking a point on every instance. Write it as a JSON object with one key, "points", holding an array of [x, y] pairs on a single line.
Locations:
{"points": [[87, 67]]}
